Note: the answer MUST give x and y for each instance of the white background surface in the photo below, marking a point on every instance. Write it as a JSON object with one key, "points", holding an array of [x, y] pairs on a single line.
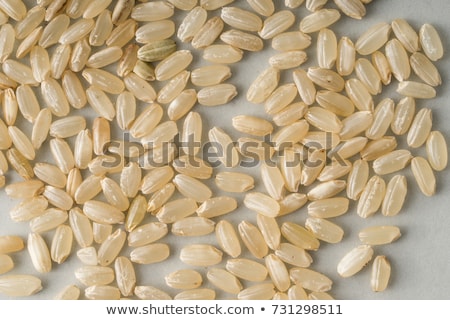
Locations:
{"points": [[420, 258]]}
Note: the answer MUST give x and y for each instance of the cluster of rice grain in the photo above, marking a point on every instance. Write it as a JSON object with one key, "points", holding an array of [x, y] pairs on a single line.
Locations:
{"points": [[355, 125], [121, 60]]}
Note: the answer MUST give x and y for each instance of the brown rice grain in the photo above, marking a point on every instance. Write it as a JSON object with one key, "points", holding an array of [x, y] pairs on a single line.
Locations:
{"points": [[293, 255], [193, 227], [70, 292], [431, 42], [263, 291], [110, 248], [424, 176], [6, 263], [19, 163], [81, 227], [335, 102], [20, 285], [420, 128], [354, 260], [318, 20], [373, 38], [224, 280], [146, 234], [10, 106], [177, 209], [39, 253], [122, 33], [102, 29], [425, 69], [177, 84], [371, 197], [152, 253], [247, 269], [58, 198], [196, 294], [184, 279], [80, 55], [101, 232], [324, 230], [381, 64], [405, 34], [53, 31], [310, 279], [151, 293], [125, 276], [328, 208], [253, 239], [326, 48], [102, 293], [436, 148], [416, 90], [379, 235], [299, 236], [61, 246], [201, 255], [242, 40], [77, 31], [381, 272]]}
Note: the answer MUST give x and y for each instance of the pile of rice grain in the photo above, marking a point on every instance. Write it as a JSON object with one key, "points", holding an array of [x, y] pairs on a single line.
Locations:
{"points": [[102, 144]]}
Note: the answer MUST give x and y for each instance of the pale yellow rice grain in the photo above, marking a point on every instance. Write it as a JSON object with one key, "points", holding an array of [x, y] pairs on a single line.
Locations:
{"points": [[193, 227], [151, 253], [201, 255], [184, 279], [416, 89], [425, 69], [70, 292], [379, 235], [310, 279], [80, 55], [125, 275], [20, 285], [122, 33], [318, 20], [263, 7], [436, 147], [299, 236], [420, 128], [371, 197], [253, 239], [242, 40], [49, 220], [405, 34], [381, 272], [61, 246], [424, 175], [373, 38], [247, 269], [293, 255], [224, 280], [241, 19], [176, 210], [431, 42], [102, 29], [354, 260], [208, 33], [381, 64], [39, 253], [81, 227], [53, 31], [326, 48]]}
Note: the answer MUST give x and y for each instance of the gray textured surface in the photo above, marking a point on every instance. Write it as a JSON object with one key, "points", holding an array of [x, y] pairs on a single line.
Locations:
{"points": [[420, 258]]}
